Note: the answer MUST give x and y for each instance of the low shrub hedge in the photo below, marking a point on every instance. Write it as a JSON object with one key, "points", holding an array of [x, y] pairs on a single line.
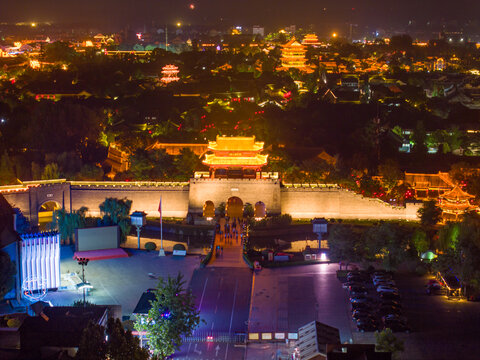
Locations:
{"points": [[150, 246]]}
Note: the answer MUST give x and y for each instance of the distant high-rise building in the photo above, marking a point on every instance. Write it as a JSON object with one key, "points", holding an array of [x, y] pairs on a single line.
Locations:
{"points": [[291, 29], [258, 30]]}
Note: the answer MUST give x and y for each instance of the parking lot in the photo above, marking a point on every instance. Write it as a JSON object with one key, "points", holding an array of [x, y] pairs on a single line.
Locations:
{"points": [[440, 328], [284, 299]]}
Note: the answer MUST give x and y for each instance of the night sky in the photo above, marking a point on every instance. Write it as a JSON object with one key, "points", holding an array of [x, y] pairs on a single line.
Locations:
{"points": [[248, 12]]}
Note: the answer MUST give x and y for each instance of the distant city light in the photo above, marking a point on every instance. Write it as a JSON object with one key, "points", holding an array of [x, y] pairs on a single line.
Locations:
{"points": [[334, 35], [33, 24], [179, 24], [34, 64], [192, 6]]}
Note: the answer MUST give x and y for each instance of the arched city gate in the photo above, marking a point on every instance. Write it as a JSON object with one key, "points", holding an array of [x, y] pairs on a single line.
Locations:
{"points": [[234, 207], [45, 213], [249, 191]]}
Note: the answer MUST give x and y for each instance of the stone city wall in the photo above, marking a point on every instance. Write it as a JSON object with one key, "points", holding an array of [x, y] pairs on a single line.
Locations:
{"points": [[180, 198], [144, 198], [307, 203]]}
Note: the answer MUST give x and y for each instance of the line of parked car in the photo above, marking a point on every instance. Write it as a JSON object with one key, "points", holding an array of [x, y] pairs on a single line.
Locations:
{"points": [[375, 301]]}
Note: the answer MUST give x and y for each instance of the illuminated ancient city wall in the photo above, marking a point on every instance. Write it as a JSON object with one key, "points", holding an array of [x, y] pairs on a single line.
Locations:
{"points": [[179, 199], [144, 198], [307, 203]]}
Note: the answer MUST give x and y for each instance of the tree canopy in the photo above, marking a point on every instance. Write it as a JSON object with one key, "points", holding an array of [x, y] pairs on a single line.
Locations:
{"points": [[173, 314], [112, 343], [430, 214]]}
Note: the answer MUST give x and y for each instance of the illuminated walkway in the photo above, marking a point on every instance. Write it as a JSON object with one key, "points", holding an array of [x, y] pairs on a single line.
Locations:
{"points": [[232, 250]]}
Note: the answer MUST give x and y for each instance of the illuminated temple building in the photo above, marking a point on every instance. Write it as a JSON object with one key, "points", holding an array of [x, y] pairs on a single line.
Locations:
{"points": [[293, 56], [455, 203], [235, 157], [311, 40]]}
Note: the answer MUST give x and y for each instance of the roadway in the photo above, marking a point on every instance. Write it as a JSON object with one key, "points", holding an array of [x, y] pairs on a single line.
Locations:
{"points": [[223, 298]]}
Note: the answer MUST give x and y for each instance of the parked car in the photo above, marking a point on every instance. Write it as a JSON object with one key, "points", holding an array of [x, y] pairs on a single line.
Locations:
{"points": [[363, 306], [358, 290], [393, 317], [347, 284], [360, 299], [387, 302], [389, 296], [362, 313], [367, 326], [377, 282], [386, 288], [389, 310]]}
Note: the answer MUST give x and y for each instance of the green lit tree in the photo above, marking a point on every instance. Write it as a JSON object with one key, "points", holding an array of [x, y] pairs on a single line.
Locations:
{"points": [[7, 272], [51, 171], [386, 341], [92, 343], [391, 173], [343, 243], [248, 210], [420, 241], [66, 222], [7, 174], [173, 314], [430, 214], [112, 343], [117, 212], [122, 344], [186, 164]]}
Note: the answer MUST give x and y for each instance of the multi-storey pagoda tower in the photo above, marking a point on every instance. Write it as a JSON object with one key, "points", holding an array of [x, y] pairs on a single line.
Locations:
{"points": [[235, 157], [311, 40], [455, 203], [169, 74], [293, 55]]}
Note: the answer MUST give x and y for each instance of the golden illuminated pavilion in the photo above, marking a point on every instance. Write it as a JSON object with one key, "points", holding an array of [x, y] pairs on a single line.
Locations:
{"points": [[235, 157], [311, 40], [293, 56], [455, 203]]}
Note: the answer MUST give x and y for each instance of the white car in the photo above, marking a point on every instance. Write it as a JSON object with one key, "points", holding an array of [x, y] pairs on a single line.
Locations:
{"points": [[386, 288]]}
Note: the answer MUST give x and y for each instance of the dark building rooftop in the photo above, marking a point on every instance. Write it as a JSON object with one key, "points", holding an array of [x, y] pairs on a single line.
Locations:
{"points": [[60, 327], [143, 305]]}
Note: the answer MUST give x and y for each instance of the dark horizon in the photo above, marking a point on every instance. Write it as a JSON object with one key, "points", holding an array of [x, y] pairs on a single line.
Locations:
{"points": [[269, 13]]}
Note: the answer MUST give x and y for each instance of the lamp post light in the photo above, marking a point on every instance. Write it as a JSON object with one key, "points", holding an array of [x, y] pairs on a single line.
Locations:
{"points": [[83, 262], [138, 219]]}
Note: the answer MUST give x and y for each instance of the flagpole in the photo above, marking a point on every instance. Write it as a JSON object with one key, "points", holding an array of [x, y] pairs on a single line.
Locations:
{"points": [[162, 251]]}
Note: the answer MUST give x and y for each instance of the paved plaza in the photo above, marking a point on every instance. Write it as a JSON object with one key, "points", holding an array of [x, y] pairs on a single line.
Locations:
{"points": [[121, 281], [285, 299]]}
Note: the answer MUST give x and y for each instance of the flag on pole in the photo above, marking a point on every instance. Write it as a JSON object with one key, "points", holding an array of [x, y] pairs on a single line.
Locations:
{"points": [[162, 251], [160, 207]]}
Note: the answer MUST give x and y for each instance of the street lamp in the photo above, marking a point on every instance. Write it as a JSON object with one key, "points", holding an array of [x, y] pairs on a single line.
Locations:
{"points": [[83, 262], [138, 219]]}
